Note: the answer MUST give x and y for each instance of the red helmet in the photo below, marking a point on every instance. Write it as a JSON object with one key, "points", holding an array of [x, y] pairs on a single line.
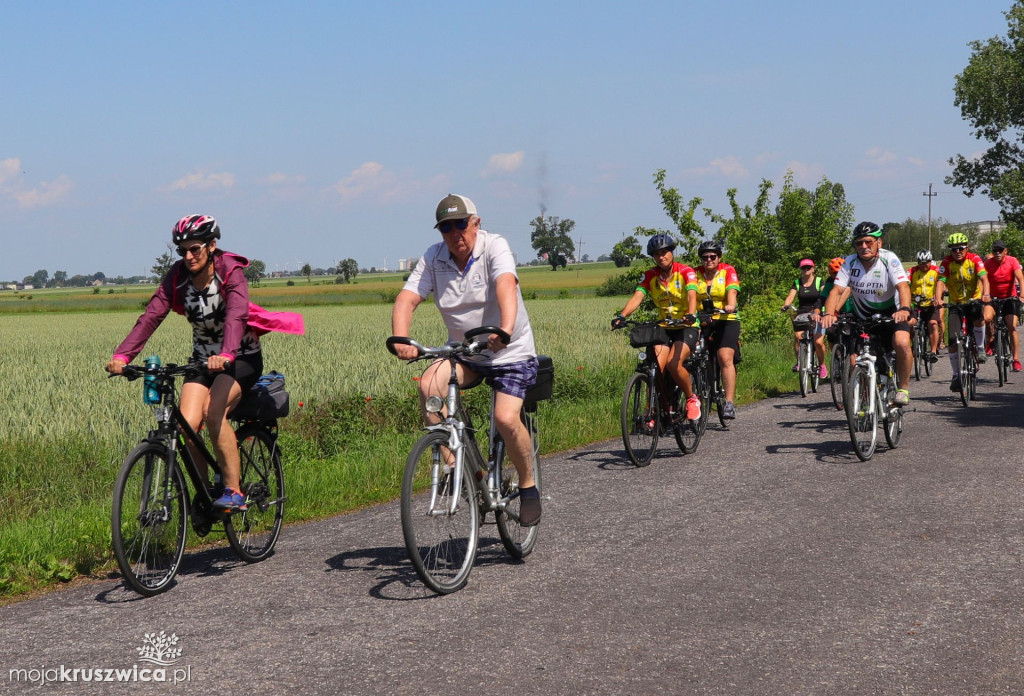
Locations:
{"points": [[201, 227], [835, 264]]}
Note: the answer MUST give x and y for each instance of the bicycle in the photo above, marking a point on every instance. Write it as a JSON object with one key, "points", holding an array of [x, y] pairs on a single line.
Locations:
{"points": [[448, 485], [920, 342], [151, 506], [703, 367], [808, 367], [870, 390], [641, 413], [839, 359], [1001, 349], [967, 352]]}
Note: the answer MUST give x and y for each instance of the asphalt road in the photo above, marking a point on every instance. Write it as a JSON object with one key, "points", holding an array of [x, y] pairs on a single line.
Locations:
{"points": [[771, 561]]}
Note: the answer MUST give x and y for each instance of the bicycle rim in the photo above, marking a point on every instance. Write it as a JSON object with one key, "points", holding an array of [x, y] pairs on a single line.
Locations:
{"points": [[441, 544], [148, 519], [641, 418], [1002, 356], [838, 370], [893, 425], [803, 370], [687, 432], [919, 355], [861, 418], [815, 371], [253, 532], [517, 540], [965, 374]]}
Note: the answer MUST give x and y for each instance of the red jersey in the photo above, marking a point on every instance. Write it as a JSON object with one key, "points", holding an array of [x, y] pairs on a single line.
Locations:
{"points": [[1001, 276]]}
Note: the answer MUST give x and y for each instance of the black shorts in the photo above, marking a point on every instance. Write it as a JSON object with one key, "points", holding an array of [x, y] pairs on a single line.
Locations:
{"points": [[687, 336], [723, 334], [245, 369], [956, 315], [1009, 305], [927, 314]]}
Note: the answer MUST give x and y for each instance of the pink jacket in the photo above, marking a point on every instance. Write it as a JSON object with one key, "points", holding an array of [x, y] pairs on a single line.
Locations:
{"points": [[241, 313]]}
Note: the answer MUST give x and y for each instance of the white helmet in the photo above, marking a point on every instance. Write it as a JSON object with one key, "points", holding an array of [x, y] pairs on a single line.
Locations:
{"points": [[924, 256]]}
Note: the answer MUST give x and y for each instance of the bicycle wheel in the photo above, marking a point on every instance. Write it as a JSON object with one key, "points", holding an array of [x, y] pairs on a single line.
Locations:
{"points": [[441, 544], [972, 383], [892, 419], [966, 376], [815, 370], [803, 369], [687, 432], [518, 540], [926, 343], [720, 400], [1002, 355], [918, 350], [860, 416], [641, 416], [702, 388], [253, 532], [838, 368], [148, 520]]}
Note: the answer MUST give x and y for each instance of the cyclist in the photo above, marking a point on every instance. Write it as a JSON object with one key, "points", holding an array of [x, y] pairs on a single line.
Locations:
{"points": [[963, 274], [808, 289], [719, 286], [876, 280], [472, 276], [1004, 276], [209, 288], [923, 277], [672, 287]]}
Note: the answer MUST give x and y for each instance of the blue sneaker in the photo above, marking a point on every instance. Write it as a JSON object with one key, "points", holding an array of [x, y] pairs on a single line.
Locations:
{"points": [[231, 501]]}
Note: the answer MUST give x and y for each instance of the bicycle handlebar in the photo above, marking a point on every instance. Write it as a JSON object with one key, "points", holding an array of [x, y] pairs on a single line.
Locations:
{"points": [[133, 372], [471, 346]]}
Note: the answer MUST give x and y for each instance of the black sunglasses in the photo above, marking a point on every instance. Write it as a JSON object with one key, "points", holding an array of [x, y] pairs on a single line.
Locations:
{"points": [[194, 250], [708, 257], [958, 247], [449, 225]]}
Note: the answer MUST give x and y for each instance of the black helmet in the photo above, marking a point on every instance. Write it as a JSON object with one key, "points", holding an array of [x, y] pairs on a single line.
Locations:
{"points": [[866, 229], [709, 245], [659, 242]]}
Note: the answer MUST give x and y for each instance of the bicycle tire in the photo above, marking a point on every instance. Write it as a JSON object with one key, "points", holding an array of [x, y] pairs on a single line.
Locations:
{"points": [[839, 369], [517, 540], [926, 362], [917, 347], [720, 401], [1002, 354], [148, 519], [701, 387], [802, 369], [686, 431], [972, 383], [253, 532], [860, 417], [815, 370], [441, 546], [892, 421], [641, 419]]}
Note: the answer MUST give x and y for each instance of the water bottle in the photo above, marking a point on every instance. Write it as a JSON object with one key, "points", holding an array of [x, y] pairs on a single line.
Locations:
{"points": [[151, 391]]}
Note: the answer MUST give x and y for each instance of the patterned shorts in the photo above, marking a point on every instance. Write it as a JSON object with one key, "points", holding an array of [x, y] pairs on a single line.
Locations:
{"points": [[514, 379]]}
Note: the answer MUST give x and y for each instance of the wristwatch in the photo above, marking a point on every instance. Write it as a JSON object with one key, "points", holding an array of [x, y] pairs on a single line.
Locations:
{"points": [[903, 309]]}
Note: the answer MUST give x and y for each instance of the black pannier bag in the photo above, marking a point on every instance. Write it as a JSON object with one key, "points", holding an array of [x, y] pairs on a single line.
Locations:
{"points": [[541, 390], [265, 401], [647, 334]]}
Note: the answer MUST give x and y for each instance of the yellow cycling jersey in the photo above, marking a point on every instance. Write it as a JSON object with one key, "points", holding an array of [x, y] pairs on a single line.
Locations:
{"points": [[923, 283], [962, 279], [717, 289], [669, 296]]}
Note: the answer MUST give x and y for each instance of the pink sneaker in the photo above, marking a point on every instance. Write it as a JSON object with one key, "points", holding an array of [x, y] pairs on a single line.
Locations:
{"points": [[693, 408], [822, 372]]}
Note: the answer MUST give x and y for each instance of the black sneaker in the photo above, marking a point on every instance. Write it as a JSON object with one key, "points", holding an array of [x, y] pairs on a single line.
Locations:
{"points": [[933, 358], [954, 386], [200, 517], [529, 507]]}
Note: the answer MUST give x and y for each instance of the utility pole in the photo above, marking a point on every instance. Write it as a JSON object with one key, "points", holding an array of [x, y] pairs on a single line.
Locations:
{"points": [[930, 197]]}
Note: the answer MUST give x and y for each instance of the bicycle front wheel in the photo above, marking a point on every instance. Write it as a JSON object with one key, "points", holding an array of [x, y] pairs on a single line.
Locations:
{"points": [[861, 416], [148, 521], [815, 370], [1002, 355], [892, 418], [839, 367], [919, 354], [517, 540], [804, 371], [253, 532], [441, 542], [641, 418], [966, 376]]}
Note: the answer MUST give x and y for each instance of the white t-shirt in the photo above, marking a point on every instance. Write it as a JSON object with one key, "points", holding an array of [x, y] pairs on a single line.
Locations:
{"points": [[873, 290], [468, 299]]}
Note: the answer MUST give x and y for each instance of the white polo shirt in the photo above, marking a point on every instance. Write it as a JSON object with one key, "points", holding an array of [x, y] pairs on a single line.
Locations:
{"points": [[468, 299]]}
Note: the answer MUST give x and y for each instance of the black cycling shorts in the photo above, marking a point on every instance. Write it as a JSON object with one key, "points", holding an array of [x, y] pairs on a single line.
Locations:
{"points": [[686, 335], [723, 334], [245, 369]]}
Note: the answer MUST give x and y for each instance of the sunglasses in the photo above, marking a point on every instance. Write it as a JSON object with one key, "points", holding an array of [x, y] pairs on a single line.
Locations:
{"points": [[863, 242], [449, 226], [194, 250], [708, 257], [958, 247], [998, 250]]}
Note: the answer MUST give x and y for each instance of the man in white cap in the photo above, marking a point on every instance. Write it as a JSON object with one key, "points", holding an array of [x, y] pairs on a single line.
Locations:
{"points": [[472, 275]]}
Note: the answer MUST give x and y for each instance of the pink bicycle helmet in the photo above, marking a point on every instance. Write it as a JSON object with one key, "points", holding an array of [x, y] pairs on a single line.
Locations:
{"points": [[201, 227]]}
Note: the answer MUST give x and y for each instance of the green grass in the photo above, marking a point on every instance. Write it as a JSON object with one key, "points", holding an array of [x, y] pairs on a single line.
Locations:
{"points": [[66, 428]]}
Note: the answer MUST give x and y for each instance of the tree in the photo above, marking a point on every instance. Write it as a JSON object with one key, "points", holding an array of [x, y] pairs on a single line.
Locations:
{"points": [[990, 94], [255, 271], [307, 271], [39, 278], [688, 233], [60, 278], [626, 251], [163, 262], [348, 269], [552, 241]]}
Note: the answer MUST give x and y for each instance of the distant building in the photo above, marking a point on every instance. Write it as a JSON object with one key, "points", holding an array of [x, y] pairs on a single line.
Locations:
{"points": [[985, 226]]}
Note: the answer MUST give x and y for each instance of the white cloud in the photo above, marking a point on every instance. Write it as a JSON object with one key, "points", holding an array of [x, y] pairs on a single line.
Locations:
{"points": [[879, 157], [371, 180], [281, 179], [730, 167], [503, 163], [9, 169], [46, 193], [200, 180]]}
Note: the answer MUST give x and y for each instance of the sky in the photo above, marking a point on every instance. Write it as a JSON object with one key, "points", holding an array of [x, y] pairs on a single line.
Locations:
{"points": [[319, 131]]}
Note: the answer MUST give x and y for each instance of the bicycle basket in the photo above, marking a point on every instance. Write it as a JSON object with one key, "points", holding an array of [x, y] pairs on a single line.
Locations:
{"points": [[266, 400], [647, 334]]}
